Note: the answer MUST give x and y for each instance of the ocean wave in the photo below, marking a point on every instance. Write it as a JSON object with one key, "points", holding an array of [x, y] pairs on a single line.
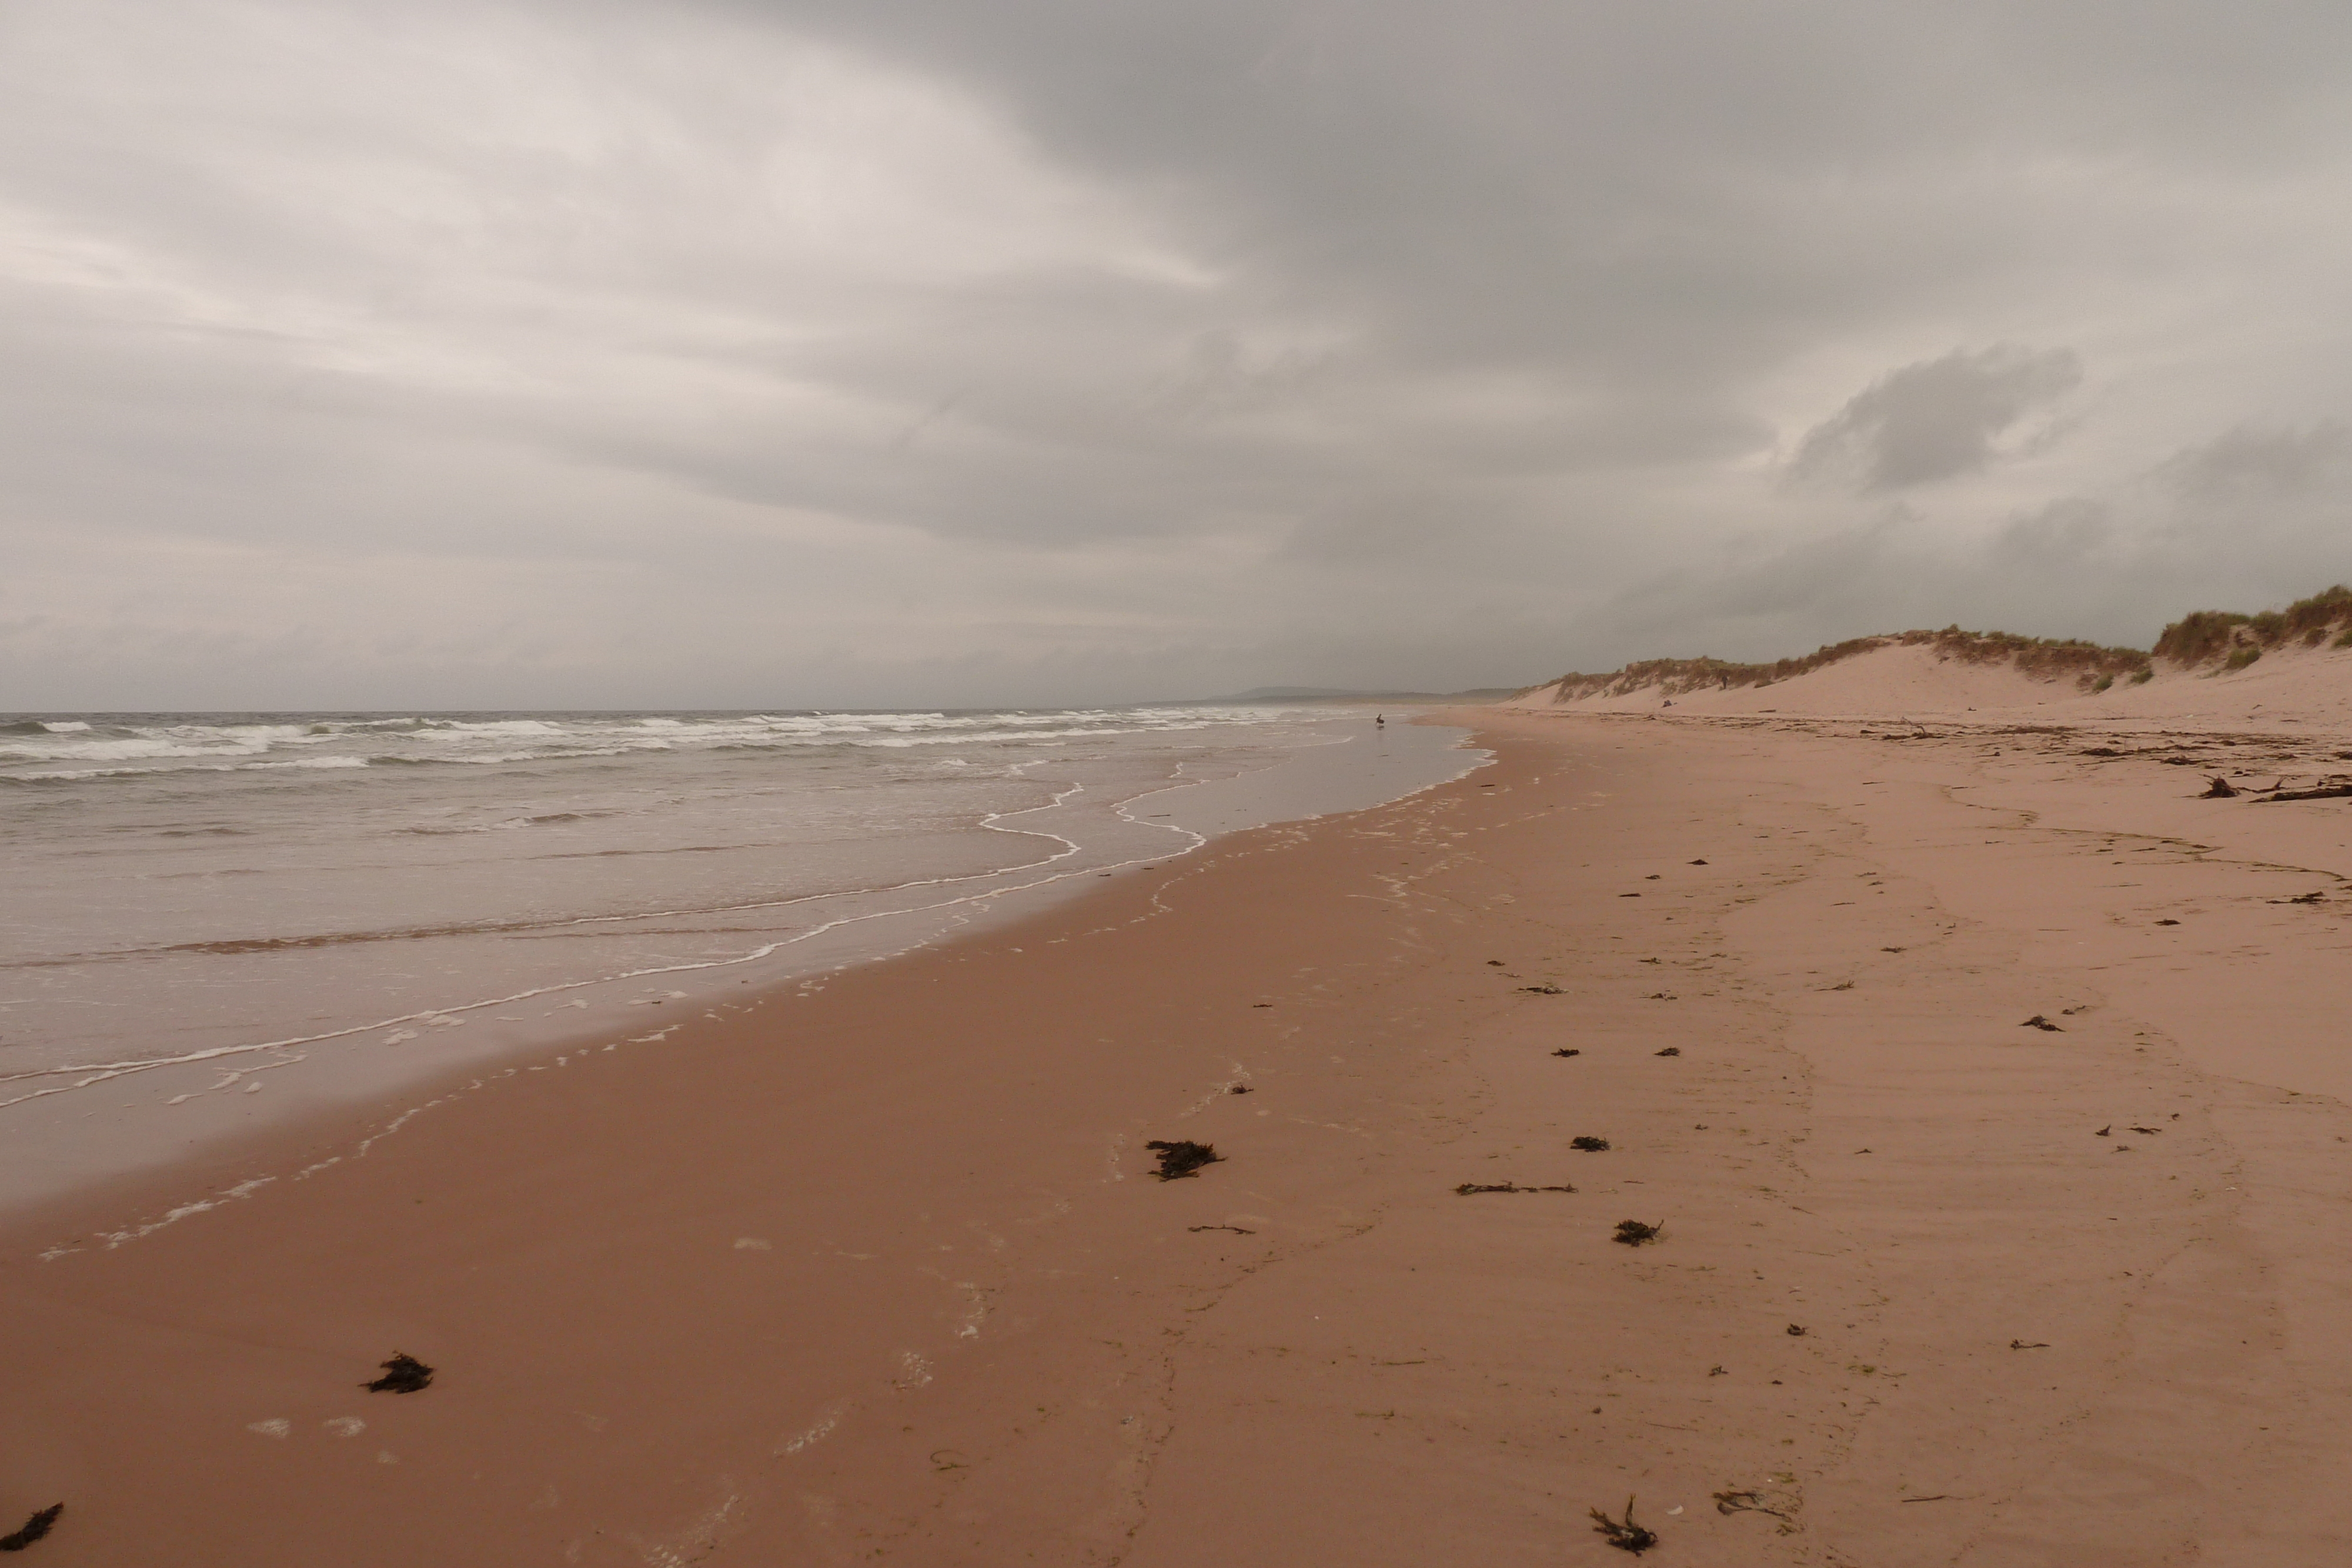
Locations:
{"points": [[62, 750]]}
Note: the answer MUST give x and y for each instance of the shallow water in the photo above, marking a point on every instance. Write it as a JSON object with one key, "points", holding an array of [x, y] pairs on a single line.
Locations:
{"points": [[215, 921]]}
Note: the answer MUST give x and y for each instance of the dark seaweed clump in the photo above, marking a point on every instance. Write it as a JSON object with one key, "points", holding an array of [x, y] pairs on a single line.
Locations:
{"points": [[32, 1529], [1623, 1534], [1634, 1232], [403, 1374], [1589, 1145], [1182, 1157]]}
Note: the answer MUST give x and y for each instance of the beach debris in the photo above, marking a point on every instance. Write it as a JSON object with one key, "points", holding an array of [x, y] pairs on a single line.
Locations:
{"points": [[1743, 1502], [1469, 1187], [2151, 1132], [2043, 1024], [1568, 1050], [2219, 789], [1698, 862], [1239, 1089], [2105, 1131], [2326, 792], [1623, 1534], [1670, 1050], [1842, 986], [2312, 897], [2167, 922], [2021, 1344], [32, 1529], [1717, 1371], [1544, 990], [1261, 1004], [1629, 895], [1495, 963], [1181, 1156], [1662, 997], [1652, 877], [1636, 1232], [1589, 1145], [1894, 949], [1234, 1228], [403, 1374], [1798, 1331]]}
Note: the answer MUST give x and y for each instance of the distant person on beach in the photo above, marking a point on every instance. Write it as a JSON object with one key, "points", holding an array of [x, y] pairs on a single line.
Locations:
{"points": [[1379, 721]]}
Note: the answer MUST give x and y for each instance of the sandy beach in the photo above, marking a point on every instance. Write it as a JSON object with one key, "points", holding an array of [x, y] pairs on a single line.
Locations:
{"points": [[876, 1270]]}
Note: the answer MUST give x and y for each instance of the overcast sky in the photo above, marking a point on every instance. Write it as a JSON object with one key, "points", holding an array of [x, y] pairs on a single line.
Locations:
{"points": [[820, 353]]}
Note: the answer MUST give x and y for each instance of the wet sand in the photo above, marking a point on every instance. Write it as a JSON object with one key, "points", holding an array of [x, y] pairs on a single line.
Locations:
{"points": [[874, 1271]]}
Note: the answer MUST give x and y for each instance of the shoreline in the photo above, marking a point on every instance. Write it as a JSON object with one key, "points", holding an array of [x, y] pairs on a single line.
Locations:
{"points": [[865, 1295], [157, 1110]]}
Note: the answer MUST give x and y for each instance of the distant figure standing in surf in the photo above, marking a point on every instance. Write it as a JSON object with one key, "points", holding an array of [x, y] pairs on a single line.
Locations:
{"points": [[1379, 721]]}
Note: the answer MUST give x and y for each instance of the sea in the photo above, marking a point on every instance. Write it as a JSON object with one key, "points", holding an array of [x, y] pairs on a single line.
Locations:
{"points": [[216, 922]]}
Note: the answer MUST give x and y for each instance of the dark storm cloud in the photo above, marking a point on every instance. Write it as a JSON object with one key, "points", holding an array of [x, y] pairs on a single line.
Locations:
{"points": [[922, 351]]}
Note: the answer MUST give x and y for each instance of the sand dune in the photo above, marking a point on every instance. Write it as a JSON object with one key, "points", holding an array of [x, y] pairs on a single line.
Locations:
{"points": [[2300, 679]]}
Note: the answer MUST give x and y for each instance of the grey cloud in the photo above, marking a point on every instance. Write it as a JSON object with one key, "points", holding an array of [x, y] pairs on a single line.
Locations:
{"points": [[833, 350], [1934, 419], [2263, 465]]}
